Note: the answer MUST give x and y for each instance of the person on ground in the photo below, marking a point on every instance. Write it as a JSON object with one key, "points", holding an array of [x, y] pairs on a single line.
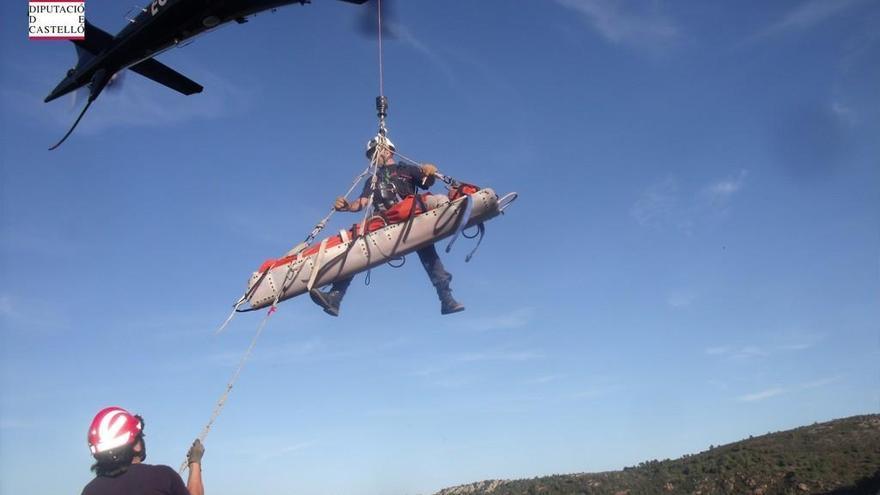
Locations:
{"points": [[116, 440]]}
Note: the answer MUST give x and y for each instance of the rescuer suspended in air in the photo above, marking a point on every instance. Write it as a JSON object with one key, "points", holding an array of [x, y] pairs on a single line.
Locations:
{"points": [[393, 183]]}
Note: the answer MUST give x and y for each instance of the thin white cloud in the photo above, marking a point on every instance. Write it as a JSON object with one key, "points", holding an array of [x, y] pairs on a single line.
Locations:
{"points": [[429, 371], [792, 342], [666, 204], [745, 352], [806, 15], [389, 412], [587, 394], [844, 113], [720, 192], [311, 349], [750, 351], [138, 103], [795, 347], [657, 204], [410, 39], [452, 382], [28, 239], [764, 394], [775, 391], [636, 24], [500, 356], [450, 60], [15, 424], [6, 309], [718, 351], [295, 351], [447, 376], [142, 103], [594, 391], [718, 384], [261, 449], [821, 382], [283, 451], [540, 380], [515, 319], [800, 342], [315, 349], [335, 352], [680, 299], [31, 315]]}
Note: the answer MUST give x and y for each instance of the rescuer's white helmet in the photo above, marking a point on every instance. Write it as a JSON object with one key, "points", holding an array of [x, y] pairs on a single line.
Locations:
{"points": [[377, 141]]}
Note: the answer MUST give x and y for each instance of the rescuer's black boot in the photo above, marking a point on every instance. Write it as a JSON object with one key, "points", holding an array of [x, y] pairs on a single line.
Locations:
{"points": [[331, 299], [328, 300], [448, 304], [440, 278]]}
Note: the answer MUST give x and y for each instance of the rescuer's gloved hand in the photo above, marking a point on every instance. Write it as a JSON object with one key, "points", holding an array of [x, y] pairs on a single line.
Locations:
{"points": [[428, 171], [341, 204], [194, 456]]}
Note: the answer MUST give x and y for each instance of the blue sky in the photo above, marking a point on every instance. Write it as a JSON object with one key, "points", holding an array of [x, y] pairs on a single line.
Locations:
{"points": [[693, 258]]}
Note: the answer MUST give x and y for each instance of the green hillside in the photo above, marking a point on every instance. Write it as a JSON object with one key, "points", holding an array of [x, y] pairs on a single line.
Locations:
{"points": [[840, 457]]}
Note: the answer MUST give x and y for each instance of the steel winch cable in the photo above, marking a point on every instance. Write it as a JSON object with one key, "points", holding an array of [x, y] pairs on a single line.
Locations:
{"points": [[381, 66]]}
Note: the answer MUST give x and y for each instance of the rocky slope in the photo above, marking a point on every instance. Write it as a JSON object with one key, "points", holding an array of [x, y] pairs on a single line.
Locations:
{"points": [[840, 457]]}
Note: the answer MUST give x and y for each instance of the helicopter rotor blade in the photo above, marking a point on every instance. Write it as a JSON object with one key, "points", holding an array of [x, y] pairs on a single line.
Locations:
{"points": [[117, 81], [77, 97]]}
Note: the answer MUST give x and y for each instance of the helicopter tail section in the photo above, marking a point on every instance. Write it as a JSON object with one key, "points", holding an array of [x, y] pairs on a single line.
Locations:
{"points": [[96, 40], [83, 56], [166, 76]]}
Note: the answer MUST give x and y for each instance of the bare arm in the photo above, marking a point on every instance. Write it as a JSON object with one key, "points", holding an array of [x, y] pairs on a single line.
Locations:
{"points": [[194, 482], [357, 205]]}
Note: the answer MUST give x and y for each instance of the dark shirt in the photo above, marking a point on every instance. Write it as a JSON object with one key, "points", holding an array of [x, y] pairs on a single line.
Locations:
{"points": [[393, 183], [139, 479]]}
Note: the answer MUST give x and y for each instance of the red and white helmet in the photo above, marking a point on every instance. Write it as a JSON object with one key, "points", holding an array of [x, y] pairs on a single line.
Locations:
{"points": [[114, 428]]}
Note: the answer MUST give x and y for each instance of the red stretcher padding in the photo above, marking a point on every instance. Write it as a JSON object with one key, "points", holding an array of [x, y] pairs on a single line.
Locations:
{"points": [[396, 214]]}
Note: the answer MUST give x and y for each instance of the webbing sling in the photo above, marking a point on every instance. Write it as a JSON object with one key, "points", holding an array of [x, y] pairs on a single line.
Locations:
{"points": [[465, 216]]}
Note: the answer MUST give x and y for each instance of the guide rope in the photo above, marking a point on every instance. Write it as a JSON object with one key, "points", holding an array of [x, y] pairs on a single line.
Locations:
{"points": [[231, 383], [289, 275]]}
